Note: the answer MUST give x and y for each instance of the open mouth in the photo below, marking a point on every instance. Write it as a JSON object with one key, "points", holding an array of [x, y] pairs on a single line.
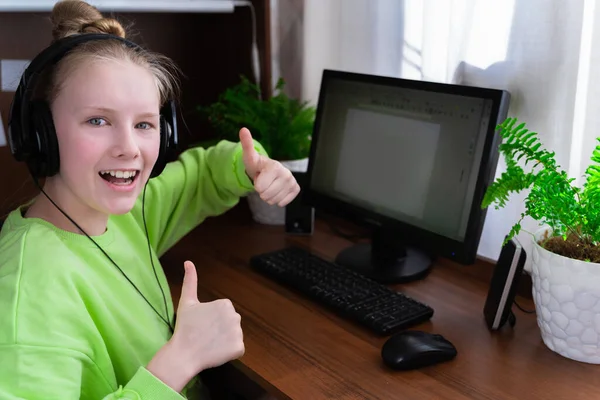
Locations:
{"points": [[119, 177]]}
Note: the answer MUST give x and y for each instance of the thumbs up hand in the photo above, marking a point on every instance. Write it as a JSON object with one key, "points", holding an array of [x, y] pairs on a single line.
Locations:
{"points": [[206, 335], [272, 181], [209, 332]]}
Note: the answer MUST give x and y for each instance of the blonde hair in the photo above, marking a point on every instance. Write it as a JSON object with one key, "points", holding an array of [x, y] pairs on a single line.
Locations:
{"points": [[74, 17]]}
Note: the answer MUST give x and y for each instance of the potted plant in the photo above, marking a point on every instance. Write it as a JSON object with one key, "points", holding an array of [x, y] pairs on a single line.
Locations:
{"points": [[281, 124], [565, 265]]}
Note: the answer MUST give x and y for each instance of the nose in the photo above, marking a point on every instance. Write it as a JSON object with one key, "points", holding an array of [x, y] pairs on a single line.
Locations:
{"points": [[125, 145]]}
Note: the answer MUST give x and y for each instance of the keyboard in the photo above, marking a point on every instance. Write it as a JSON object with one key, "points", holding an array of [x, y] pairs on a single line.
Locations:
{"points": [[349, 294]]}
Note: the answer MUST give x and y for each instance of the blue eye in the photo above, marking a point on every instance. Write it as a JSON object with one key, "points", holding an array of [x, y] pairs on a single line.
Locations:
{"points": [[97, 121], [144, 125]]}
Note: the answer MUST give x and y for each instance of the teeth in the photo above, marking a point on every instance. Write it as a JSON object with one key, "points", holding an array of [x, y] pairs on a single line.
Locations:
{"points": [[119, 173]]}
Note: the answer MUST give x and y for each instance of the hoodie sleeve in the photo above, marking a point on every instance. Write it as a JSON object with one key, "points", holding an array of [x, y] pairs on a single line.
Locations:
{"points": [[201, 183], [38, 372]]}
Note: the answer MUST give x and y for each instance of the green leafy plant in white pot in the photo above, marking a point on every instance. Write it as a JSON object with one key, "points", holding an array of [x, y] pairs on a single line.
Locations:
{"points": [[283, 126], [565, 267]]}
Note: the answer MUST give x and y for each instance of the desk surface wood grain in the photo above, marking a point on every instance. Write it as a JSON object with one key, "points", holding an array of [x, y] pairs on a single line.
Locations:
{"points": [[296, 349]]}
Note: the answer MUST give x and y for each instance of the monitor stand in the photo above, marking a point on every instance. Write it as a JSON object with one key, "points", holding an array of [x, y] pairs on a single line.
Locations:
{"points": [[386, 259]]}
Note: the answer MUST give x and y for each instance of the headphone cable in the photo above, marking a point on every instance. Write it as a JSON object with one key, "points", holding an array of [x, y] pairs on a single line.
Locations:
{"points": [[150, 253], [114, 263]]}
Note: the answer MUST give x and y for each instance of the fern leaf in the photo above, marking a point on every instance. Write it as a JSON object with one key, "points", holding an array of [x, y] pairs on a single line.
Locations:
{"points": [[512, 180], [552, 198]]}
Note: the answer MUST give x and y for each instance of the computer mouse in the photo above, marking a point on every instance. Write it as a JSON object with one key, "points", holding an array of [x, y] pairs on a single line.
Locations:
{"points": [[415, 349]]}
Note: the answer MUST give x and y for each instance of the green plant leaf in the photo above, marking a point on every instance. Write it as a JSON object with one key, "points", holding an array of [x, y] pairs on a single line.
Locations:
{"points": [[283, 125], [552, 198]]}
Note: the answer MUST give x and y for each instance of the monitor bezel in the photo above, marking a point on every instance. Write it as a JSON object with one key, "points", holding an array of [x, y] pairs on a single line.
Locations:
{"points": [[464, 252]]}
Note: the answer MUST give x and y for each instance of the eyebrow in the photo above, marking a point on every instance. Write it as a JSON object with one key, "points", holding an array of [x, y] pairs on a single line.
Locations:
{"points": [[110, 111]]}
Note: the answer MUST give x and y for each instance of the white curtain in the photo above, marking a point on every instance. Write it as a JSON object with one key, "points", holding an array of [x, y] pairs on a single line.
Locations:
{"points": [[546, 53], [354, 35]]}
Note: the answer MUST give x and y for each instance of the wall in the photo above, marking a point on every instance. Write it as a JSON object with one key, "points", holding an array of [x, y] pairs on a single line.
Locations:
{"points": [[211, 49]]}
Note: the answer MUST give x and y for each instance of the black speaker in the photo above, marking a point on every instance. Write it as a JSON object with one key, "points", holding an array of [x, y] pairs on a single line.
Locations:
{"points": [[299, 217], [503, 286]]}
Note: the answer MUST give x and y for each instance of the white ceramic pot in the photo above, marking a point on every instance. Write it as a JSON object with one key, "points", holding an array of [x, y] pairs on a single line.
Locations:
{"points": [[267, 214], [566, 293]]}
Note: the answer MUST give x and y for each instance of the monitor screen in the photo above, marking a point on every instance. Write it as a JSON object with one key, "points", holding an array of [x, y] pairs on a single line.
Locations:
{"points": [[406, 155]]}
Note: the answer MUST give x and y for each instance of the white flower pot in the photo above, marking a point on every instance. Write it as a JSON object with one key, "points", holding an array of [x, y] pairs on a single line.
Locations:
{"points": [[566, 293], [267, 214]]}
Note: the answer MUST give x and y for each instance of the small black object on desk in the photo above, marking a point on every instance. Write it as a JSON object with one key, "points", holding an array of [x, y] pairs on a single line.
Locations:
{"points": [[415, 349]]}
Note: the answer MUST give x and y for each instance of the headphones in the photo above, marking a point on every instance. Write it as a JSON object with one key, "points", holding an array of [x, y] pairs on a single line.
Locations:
{"points": [[31, 132]]}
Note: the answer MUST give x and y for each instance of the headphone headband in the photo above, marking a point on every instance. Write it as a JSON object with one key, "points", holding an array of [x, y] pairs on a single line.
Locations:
{"points": [[31, 134]]}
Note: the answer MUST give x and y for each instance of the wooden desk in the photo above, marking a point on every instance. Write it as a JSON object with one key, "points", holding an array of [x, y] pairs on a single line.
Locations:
{"points": [[298, 350]]}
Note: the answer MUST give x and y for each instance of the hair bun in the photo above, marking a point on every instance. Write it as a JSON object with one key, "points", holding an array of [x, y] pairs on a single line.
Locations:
{"points": [[104, 25], [71, 17]]}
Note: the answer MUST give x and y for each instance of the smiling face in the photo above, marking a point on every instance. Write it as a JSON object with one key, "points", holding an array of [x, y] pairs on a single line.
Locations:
{"points": [[106, 116]]}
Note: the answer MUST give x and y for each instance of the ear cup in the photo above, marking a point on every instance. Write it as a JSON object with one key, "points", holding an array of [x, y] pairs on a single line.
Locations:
{"points": [[168, 137], [161, 161], [45, 159]]}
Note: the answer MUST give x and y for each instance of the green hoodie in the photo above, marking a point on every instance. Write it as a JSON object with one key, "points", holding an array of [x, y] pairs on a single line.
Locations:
{"points": [[71, 325]]}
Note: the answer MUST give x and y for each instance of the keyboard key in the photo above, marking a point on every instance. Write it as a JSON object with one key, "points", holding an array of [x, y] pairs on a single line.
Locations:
{"points": [[370, 304]]}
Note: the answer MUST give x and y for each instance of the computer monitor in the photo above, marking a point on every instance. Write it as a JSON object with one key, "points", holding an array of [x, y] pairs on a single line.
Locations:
{"points": [[410, 158]]}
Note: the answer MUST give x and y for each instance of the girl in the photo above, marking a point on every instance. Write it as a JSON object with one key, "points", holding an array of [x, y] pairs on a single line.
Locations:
{"points": [[83, 311]]}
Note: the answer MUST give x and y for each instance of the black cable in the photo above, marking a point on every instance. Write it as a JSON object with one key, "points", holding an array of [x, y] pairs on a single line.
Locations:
{"points": [[150, 253], [523, 309], [111, 260]]}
